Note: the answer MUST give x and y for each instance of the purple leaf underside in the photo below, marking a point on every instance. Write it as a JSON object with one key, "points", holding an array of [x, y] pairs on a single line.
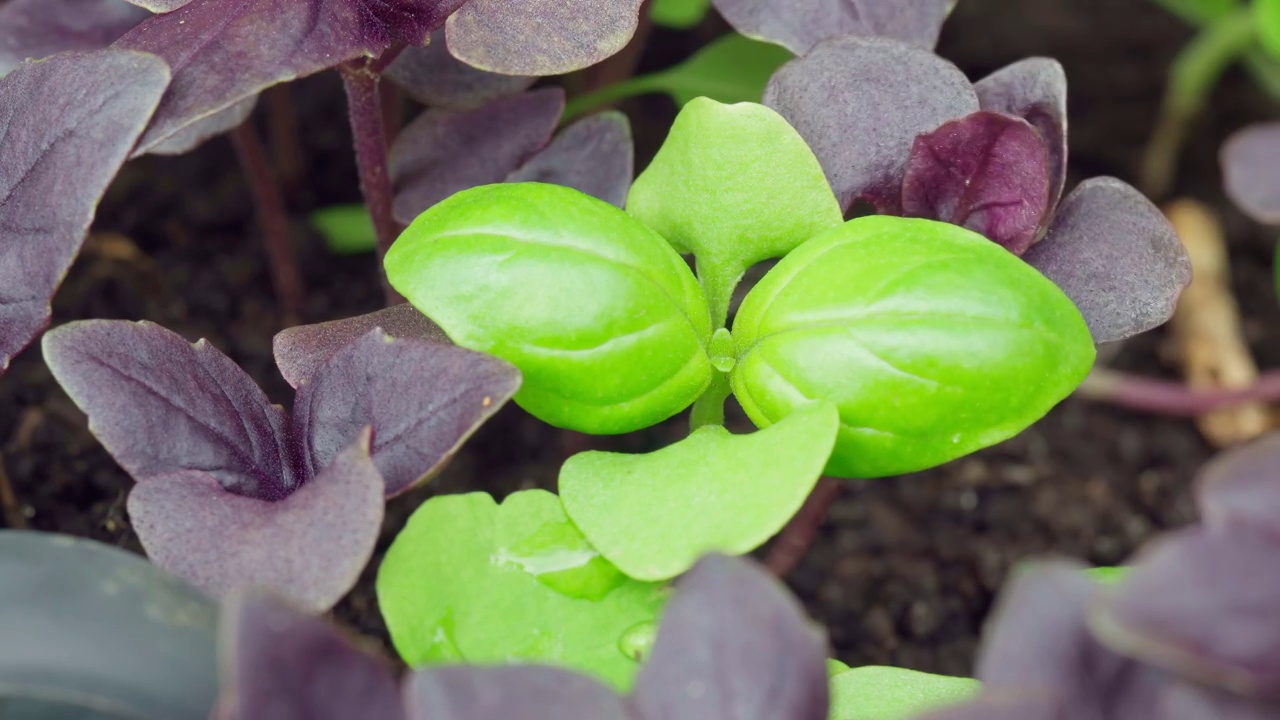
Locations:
{"points": [[540, 37], [799, 26], [1035, 90], [35, 29], [1116, 256], [301, 350], [284, 664], [443, 152], [527, 692], [595, 155], [707, 664], [860, 104], [1251, 171], [309, 547], [437, 79], [161, 405], [987, 172], [224, 52], [423, 399]]}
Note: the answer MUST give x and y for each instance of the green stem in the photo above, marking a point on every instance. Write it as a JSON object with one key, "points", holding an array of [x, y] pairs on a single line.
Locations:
{"points": [[584, 104], [1192, 78], [709, 409], [718, 280]]}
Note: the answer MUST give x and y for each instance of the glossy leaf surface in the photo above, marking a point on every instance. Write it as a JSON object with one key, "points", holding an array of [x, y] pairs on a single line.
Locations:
{"points": [[654, 515], [890, 693], [613, 342], [301, 350], [927, 360], [986, 172], [444, 152], [799, 26], [734, 185], [161, 405], [1116, 256], [468, 579], [423, 400], [280, 663], [57, 157], [733, 643], [92, 627], [309, 547], [860, 104], [540, 37]]}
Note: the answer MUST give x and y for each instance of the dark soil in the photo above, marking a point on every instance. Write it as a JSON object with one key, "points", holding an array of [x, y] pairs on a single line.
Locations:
{"points": [[905, 570]]}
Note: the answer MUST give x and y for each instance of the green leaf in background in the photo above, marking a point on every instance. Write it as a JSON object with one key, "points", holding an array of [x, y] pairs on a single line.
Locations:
{"points": [[1199, 12], [933, 342], [734, 184], [1267, 16], [602, 317], [889, 693], [678, 14], [654, 515], [1109, 575], [468, 579], [732, 69], [346, 229]]}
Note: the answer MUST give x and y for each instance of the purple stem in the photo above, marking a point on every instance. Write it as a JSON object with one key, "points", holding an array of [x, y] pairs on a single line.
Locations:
{"points": [[273, 220], [1165, 397], [799, 534], [369, 134]]}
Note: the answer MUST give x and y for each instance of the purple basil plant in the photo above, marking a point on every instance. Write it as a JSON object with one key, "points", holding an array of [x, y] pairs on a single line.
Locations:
{"points": [[901, 131], [193, 70], [1251, 171], [1189, 633], [232, 490]]}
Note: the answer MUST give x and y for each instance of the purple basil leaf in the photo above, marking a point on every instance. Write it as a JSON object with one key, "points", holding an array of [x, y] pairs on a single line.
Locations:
{"points": [[527, 692], [160, 6], [1035, 90], [1191, 701], [309, 547], [161, 405], [1009, 705], [1251, 171], [283, 664], [40, 28], [225, 51], [189, 137], [1202, 605], [301, 350], [433, 77], [860, 105], [594, 155], [733, 643], [1116, 256], [89, 626], [987, 172], [57, 156], [422, 399], [798, 26], [443, 152], [1241, 488], [540, 37]]}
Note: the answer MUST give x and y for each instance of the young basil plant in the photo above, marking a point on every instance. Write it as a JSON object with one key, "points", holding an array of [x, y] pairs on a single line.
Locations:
{"points": [[926, 361], [232, 491]]}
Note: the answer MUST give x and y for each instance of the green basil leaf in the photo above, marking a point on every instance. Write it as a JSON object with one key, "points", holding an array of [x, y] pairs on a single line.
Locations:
{"points": [[734, 184], [1109, 575], [470, 580], [932, 340], [679, 14], [602, 317], [890, 693], [654, 515], [346, 229], [1200, 12], [1266, 15]]}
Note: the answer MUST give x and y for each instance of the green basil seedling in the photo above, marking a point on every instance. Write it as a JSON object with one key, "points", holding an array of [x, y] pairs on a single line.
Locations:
{"points": [[469, 579], [603, 318]]}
